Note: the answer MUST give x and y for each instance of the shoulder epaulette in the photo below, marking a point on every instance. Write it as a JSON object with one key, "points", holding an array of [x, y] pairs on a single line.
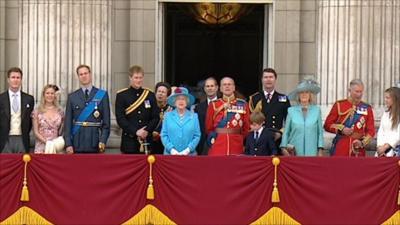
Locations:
{"points": [[342, 100], [253, 95], [123, 89]]}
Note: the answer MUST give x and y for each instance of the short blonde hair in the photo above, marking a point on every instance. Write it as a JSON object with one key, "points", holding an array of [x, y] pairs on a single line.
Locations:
{"points": [[257, 117], [41, 104], [135, 69]]}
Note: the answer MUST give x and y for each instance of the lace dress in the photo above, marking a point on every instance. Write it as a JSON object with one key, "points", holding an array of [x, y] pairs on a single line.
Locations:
{"points": [[49, 128]]}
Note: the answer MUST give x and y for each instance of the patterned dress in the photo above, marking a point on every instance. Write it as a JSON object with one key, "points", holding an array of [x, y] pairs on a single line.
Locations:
{"points": [[49, 128]]}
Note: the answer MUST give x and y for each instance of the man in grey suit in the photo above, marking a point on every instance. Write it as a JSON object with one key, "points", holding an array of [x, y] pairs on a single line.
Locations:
{"points": [[87, 116], [15, 108]]}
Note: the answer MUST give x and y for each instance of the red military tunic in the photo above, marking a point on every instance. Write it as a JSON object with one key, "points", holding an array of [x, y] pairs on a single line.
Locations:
{"points": [[227, 124], [357, 116]]}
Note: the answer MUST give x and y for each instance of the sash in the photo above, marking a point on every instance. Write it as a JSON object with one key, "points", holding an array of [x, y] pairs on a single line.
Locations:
{"points": [[222, 123], [348, 123], [88, 110], [138, 102]]}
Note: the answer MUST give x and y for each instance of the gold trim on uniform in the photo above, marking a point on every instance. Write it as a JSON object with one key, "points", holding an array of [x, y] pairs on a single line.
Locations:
{"points": [[138, 102]]}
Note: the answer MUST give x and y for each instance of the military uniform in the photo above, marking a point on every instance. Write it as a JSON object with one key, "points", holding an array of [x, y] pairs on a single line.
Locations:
{"points": [[94, 129], [134, 109], [275, 110], [158, 147], [227, 124], [357, 116]]}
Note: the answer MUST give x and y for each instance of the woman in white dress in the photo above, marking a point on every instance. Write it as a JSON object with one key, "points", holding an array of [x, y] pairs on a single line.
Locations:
{"points": [[388, 141]]}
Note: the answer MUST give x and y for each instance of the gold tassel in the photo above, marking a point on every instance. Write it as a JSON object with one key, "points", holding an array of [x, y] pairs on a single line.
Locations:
{"points": [[25, 215], [275, 193], [150, 189], [275, 215], [25, 192], [149, 215]]}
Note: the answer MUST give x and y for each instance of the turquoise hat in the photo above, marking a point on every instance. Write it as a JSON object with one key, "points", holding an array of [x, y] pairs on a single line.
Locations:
{"points": [[305, 85], [180, 91]]}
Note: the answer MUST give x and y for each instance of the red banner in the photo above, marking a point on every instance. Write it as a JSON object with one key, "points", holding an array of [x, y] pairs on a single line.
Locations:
{"points": [[111, 189]]}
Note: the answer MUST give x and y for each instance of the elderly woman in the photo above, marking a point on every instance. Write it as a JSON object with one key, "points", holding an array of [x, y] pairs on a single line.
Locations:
{"points": [[388, 141], [303, 135], [180, 131]]}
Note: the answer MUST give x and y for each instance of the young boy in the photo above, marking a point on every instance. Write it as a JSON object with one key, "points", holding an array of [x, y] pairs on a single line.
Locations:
{"points": [[260, 141]]}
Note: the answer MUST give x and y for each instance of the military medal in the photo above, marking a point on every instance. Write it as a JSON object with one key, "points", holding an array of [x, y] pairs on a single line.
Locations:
{"points": [[237, 116], [96, 113], [234, 122], [147, 104]]}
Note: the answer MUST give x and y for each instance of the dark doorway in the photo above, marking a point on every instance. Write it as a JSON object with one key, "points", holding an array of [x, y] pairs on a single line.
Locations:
{"points": [[195, 51]]}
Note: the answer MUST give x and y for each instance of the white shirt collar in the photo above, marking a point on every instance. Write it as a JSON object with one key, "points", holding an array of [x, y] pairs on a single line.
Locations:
{"points": [[210, 100], [259, 131], [272, 93], [11, 93]]}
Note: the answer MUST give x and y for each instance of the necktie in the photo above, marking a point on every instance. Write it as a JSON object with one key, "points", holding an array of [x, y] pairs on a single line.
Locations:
{"points": [[15, 105], [87, 94], [268, 97], [256, 136]]}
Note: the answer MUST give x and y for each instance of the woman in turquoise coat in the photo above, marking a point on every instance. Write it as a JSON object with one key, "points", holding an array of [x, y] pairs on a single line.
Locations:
{"points": [[180, 132], [303, 134]]}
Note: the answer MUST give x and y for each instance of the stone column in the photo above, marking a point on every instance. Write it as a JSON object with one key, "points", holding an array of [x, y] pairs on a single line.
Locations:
{"points": [[56, 36], [2, 43], [358, 39]]}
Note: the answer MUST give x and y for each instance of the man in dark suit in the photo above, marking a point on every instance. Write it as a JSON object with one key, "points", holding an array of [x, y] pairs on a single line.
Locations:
{"points": [[137, 114], [87, 116], [271, 103], [260, 141], [16, 108], [211, 90]]}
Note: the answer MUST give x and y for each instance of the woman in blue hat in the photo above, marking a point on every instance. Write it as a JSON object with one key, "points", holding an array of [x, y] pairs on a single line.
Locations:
{"points": [[180, 131], [303, 134]]}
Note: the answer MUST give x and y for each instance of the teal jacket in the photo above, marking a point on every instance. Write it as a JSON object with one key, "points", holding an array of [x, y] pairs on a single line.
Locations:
{"points": [[306, 134]]}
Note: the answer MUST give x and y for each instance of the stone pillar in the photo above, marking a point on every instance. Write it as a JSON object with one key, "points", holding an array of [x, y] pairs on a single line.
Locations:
{"points": [[2, 44], [9, 26], [295, 41], [56, 36], [358, 39]]}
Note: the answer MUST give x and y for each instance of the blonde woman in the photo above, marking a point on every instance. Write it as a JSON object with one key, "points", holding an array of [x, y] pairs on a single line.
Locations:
{"points": [[47, 118]]}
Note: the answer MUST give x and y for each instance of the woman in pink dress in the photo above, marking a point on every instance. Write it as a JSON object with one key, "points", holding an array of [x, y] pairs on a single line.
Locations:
{"points": [[48, 118]]}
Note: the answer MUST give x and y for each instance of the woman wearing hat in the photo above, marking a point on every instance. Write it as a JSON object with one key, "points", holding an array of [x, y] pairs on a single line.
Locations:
{"points": [[180, 131], [47, 122], [303, 135]]}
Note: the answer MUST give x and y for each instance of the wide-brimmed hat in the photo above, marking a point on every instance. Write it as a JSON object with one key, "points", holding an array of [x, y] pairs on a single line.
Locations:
{"points": [[308, 84], [180, 91]]}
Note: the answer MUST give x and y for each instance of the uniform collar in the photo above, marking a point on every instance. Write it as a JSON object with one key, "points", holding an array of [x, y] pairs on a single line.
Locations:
{"points": [[228, 99]]}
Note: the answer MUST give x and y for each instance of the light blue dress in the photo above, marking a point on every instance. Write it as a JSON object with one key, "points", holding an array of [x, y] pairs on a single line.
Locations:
{"points": [[306, 134], [180, 133]]}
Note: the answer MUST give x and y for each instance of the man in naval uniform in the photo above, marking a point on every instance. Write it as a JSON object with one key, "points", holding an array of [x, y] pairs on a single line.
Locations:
{"points": [[137, 114], [227, 121], [271, 103], [352, 120], [87, 116]]}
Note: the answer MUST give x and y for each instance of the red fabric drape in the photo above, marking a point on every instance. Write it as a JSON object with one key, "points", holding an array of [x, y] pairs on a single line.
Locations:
{"points": [[110, 189]]}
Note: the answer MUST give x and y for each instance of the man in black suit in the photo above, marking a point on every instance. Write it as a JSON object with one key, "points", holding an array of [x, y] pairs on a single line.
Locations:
{"points": [[211, 90], [137, 114], [16, 108], [260, 141]]}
